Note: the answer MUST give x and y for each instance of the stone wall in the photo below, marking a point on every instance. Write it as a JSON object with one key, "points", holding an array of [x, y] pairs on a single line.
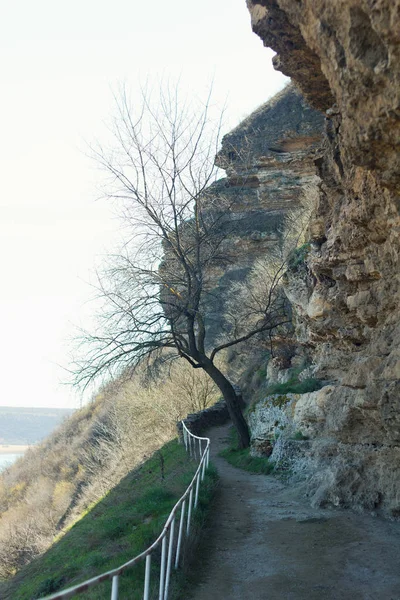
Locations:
{"points": [[199, 422]]}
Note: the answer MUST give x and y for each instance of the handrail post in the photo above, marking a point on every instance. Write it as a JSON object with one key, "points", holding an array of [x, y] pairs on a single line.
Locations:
{"points": [[189, 512], [169, 562], [184, 435], [178, 547], [146, 592], [114, 587], [162, 569], [197, 490], [203, 468]]}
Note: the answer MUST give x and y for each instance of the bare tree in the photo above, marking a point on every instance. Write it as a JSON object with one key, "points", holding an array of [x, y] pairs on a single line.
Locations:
{"points": [[156, 291]]}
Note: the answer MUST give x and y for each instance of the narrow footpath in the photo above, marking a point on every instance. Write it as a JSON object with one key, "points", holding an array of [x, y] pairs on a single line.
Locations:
{"points": [[265, 542]]}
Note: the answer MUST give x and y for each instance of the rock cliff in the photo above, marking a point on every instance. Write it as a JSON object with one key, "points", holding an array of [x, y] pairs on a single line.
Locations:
{"points": [[269, 161], [344, 56]]}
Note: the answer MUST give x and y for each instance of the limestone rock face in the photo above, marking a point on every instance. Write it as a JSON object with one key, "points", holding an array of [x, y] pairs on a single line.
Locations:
{"points": [[344, 55], [269, 161], [346, 52], [310, 411], [267, 419]]}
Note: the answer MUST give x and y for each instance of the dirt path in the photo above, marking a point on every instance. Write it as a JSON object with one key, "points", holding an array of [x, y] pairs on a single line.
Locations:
{"points": [[266, 543]]}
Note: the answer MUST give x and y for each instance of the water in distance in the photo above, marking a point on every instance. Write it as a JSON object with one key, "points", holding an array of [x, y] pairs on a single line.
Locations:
{"points": [[7, 460]]}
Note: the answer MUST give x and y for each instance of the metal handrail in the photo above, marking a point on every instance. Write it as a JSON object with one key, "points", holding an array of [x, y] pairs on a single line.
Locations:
{"points": [[193, 445]]}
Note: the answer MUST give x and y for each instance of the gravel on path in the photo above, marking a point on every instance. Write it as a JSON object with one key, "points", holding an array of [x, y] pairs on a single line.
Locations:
{"points": [[265, 542]]}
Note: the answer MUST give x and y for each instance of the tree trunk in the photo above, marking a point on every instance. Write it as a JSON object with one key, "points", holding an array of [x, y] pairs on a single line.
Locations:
{"points": [[232, 403]]}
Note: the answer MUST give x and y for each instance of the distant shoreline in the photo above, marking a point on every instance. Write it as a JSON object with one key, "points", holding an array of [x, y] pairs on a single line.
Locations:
{"points": [[13, 449]]}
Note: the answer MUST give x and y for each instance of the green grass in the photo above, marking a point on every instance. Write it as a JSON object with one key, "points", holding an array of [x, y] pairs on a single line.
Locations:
{"points": [[115, 530], [188, 574], [298, 256], [299, 437], [242, 459], [294, 386]]}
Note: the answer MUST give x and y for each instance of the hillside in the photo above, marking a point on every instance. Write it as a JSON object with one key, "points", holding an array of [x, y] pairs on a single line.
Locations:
{"points": [[47, 490], [115, 530], [29, 425]]}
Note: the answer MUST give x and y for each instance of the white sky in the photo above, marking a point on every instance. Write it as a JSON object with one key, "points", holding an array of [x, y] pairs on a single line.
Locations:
{"points": [[59, 63]]}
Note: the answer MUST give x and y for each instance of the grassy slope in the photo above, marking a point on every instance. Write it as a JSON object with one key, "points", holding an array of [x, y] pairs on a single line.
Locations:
{"points": [[116, 529]]}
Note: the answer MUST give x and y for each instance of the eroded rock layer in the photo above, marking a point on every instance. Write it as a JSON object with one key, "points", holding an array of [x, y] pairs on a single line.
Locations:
{"points": [[344, 56], [269, 159]]}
